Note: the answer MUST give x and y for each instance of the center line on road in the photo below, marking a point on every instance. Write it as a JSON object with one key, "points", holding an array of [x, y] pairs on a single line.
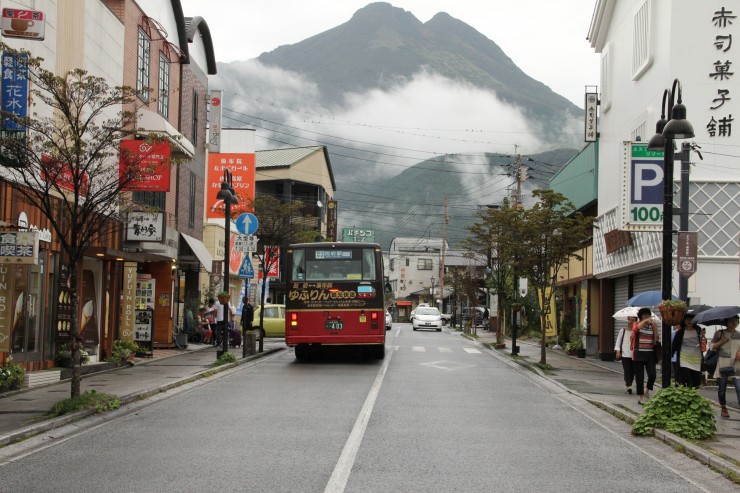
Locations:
{"points": [[340, 476], [418, 349]]}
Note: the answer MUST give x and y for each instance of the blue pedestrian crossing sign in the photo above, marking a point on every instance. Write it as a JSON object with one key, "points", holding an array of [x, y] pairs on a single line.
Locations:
{"points": [[247, 223], [246, 271]]}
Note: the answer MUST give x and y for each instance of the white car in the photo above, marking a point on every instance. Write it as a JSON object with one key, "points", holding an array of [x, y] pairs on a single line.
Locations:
{"points": [[388, 320], [427, 317]]}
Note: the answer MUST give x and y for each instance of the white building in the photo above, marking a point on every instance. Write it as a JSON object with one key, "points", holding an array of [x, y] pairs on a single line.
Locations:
{"points": [[644, 46]]}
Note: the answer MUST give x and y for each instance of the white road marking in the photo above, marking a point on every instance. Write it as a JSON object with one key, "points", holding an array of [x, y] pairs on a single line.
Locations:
{"points": [[338, 481], [445, 349], [418, 349], [471, 350]]}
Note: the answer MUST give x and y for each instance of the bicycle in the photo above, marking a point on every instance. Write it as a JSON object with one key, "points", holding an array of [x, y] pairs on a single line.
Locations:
{"points": [[176, 331]]}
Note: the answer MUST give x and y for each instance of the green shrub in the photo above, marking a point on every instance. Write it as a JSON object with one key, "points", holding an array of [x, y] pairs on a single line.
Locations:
{"points": [[11, 375], [678, 410], [100, 401], [225, 359], [64, 355], [121, 350]]}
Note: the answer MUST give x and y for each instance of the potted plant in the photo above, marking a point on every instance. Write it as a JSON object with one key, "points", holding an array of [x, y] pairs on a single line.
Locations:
{"points": [[672, 311], [64, 356], [123, 350], [11, 376]]}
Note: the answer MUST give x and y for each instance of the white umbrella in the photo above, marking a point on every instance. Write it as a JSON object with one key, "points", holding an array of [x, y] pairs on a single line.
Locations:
{"points": [[630, 311]]}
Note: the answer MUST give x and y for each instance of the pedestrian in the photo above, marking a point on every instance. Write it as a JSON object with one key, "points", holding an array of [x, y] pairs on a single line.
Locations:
{"points": [[643, 339], [727, 342], [221, 320], [209, 315], [247, 316], [687, 348], [623, 353]]}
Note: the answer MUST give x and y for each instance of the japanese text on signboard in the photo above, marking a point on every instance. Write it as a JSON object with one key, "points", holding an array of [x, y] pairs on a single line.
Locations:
{"points": [[14, 89], [723, 21]]}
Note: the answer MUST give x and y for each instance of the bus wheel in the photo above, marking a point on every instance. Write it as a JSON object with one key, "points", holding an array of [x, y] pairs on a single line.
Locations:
{"points": [[301, 352]]}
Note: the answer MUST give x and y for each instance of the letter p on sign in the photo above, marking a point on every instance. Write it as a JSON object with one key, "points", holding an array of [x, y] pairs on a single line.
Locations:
{"points": [[647, 177]]}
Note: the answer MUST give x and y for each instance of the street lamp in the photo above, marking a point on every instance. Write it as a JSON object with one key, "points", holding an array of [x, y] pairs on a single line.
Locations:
{"points": [[431, 292], [676, 126], [228, 196]]}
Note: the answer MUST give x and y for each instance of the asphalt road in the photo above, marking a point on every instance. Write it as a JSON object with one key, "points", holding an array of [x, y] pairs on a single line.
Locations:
{"points": [[438, 414]]}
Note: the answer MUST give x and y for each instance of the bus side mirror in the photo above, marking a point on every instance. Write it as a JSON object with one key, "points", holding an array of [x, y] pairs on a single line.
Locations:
{"points": [[388, 289]]}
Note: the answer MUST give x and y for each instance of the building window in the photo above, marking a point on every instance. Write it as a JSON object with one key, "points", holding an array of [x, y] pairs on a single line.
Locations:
{"points": [[194, 131], [391, 264], [191, 203], [641, 41], [142, 66], [163, 103], [424, 264], [150, 199]]}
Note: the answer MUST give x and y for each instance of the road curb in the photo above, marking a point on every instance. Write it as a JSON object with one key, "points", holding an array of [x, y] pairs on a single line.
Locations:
{"points": [[689, 449], [50, 424]]}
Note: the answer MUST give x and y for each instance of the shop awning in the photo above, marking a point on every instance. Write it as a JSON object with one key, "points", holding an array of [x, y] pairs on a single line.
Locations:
{"points": [[200, 251], [149, 121]]}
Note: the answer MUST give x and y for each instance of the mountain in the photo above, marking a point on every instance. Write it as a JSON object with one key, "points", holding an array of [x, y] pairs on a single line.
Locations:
{"points": [[325, 90], [383, 46]]}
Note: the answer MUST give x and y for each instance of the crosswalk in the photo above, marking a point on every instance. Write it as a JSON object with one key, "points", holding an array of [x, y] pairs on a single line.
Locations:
{"points": [[435, 349]]}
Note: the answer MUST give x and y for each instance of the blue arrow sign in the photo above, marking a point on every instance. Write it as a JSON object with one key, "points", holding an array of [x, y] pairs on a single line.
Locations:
{"points": [[247, 223], [246, 271]]}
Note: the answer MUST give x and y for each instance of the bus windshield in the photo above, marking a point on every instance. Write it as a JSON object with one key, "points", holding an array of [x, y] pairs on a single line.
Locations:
{"points": [[334, 264]]}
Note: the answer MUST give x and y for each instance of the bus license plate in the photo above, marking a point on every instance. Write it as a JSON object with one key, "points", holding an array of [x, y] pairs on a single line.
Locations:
{"points": [[334, 325]]}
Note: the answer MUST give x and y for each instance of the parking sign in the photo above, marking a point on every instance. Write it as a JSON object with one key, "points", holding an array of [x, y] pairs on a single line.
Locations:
{"points": [[642, 188]]}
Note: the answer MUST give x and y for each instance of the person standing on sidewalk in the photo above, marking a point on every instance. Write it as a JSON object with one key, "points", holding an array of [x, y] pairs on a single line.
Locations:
{"points": [[727, 342], [624, 353], [644, 337], [687, 347]]}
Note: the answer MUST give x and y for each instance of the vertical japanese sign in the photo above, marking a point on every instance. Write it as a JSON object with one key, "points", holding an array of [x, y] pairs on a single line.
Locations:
{"points": [[686, 253], [241, 166], [331, 220], [642, 188], [128, 301], [720, 123], [590, 128], [14, 89], [214, 132], [7, 307]]}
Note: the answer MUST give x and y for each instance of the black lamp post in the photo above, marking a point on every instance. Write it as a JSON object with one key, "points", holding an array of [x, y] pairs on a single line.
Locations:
{"points": [[676, 126], [229, 197], [431, 292]]}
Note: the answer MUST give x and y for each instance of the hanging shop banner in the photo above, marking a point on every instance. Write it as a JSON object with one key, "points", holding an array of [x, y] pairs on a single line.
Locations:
{"points": [[331, 220], [19, 247], [214, 128], [128, 301], [152, 163], [145, 226], [686, 252], [591, 122], [642, 188], [27, 24], [14, 88], [8, 315], [241, 166]]}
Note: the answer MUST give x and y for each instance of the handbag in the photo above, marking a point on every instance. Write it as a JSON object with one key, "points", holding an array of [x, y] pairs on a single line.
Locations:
{"points": [[657, 351], [727, 371], [711, 358]]}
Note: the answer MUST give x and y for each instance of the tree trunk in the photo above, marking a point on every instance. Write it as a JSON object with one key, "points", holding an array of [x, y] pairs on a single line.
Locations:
{"points": [[262, 307], [74, 331], [543, 344]]}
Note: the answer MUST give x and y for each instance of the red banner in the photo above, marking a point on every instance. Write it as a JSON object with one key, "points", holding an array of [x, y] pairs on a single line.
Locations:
{"points": [[149, 164], [242, 179], [63, 175]]}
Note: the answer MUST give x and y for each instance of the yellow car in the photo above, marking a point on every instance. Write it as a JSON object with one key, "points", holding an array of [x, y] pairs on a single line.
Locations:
{"points": [[273, 323]]}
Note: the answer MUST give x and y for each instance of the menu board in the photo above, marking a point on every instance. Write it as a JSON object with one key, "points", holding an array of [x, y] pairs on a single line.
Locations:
{"points": [[143, 327], [145, 292]]}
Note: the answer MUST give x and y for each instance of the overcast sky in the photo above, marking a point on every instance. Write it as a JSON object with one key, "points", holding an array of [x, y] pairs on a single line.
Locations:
{"points": [[545, 38]]}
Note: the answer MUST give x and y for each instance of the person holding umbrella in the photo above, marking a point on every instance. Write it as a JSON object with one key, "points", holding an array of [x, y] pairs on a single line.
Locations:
{"points": [[623, 352], [644, 336], [727, 342], [687, 348]]}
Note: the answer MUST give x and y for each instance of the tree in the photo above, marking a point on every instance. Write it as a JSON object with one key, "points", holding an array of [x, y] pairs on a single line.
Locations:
{"points": [[280, 224], [549, 234], [491, 237], [68, 165]]}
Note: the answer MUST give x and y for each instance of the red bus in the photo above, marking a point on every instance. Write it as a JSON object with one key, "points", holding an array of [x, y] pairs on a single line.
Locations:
{"points": [[335, 296]]}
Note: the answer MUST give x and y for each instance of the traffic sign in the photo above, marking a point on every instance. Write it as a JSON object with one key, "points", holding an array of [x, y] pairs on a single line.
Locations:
{"points": [[247, 223], [245, 244], [246, 271]]}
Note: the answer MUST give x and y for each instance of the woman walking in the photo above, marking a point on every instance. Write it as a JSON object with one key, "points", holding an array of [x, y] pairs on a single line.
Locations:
{"points": [[687, 347], [727, 342], [644, 337], [624, 353]]}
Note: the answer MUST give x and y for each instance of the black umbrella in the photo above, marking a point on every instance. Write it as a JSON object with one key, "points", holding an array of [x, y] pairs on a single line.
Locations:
{"points": [[716, 315], [698, 308]]}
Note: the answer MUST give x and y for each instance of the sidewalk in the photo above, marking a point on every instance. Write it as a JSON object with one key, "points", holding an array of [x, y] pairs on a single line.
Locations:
{"points": [[21, 412], [601, 382]]}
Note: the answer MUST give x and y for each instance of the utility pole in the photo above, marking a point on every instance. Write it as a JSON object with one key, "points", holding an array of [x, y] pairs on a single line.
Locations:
{"points": [[442, 258], [516, 202]]}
